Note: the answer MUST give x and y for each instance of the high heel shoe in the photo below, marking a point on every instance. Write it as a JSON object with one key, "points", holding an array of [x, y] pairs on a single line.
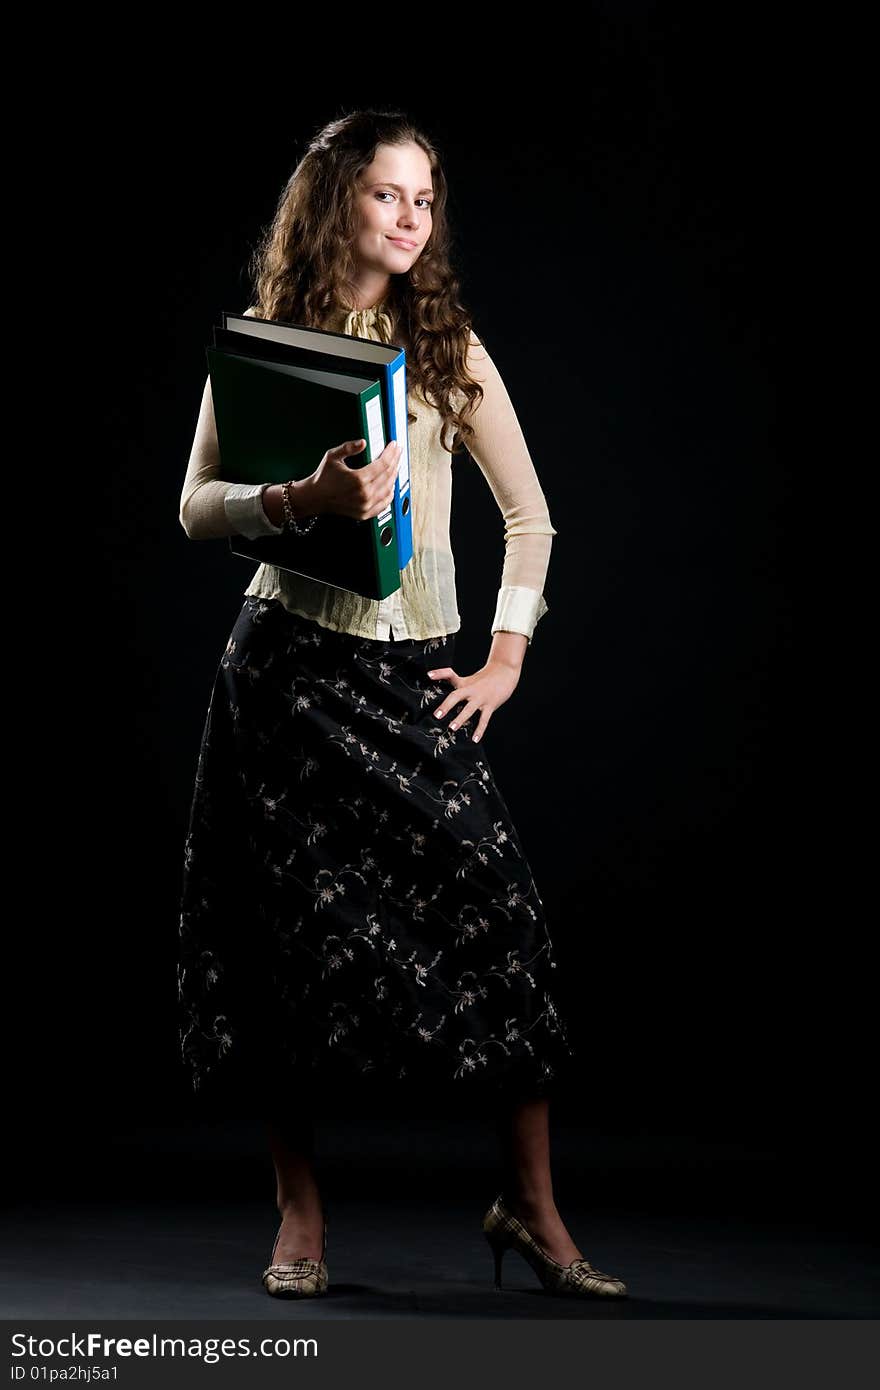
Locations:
{"points": [[304, 1278], [504, 1232]]}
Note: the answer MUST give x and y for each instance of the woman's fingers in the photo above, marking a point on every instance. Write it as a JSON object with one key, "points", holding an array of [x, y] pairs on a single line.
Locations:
{"points": [[451, 700], [450, 703], [481, 726], [344, 451], [462, 716]]}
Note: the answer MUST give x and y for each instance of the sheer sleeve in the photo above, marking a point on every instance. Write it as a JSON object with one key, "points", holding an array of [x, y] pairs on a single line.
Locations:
{"points": [[499, 450], [209, 507]]}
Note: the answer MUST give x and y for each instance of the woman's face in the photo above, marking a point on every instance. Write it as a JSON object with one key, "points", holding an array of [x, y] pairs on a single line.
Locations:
{"points": [[394, 197]]}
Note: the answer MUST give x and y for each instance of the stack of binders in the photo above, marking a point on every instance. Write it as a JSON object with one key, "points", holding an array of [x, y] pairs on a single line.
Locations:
{"points": [[283, 395]]}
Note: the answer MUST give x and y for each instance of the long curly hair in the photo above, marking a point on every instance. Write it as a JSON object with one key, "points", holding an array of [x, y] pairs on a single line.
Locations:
{"points": [[303, 267]]}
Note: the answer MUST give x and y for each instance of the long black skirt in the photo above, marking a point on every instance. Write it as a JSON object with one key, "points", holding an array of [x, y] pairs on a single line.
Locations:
{"points": [[356, 905]]}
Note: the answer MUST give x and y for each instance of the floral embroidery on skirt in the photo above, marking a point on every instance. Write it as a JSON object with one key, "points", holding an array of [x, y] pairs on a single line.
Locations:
{"points": [[355, 898]]}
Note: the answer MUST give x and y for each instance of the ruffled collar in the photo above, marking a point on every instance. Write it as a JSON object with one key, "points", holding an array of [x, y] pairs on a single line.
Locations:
{"points": [[368, 323]]}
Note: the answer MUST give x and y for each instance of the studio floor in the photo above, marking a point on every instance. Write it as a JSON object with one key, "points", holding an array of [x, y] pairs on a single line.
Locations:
{"points": [[177, 1221]]}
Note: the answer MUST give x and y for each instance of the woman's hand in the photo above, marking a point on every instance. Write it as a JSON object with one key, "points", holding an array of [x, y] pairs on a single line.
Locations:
{"points": [[362, 491], [485, 690]]}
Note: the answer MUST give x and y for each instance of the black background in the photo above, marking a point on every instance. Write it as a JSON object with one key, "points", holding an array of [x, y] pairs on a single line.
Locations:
{"points": [[616, 211]]}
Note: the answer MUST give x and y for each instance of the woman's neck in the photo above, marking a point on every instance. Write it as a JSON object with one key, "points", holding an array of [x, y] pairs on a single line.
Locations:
{"points": [[370, 297]]}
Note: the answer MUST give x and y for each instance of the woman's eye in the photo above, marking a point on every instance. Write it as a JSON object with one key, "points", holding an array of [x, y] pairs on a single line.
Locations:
{"points": [[426, 201]]}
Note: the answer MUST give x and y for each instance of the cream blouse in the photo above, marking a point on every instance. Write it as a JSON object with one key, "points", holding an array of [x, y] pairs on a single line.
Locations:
{"points": [[425, 605]]}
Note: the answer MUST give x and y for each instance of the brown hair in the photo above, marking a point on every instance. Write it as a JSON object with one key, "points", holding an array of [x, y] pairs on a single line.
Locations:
{"points": [[303, 267]]}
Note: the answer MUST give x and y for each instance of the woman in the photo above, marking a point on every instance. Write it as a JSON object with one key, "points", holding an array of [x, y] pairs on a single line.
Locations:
{"points": [[356, 901]]}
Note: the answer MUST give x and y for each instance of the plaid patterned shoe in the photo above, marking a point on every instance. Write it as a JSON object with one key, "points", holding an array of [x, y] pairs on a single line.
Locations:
{"points": [[504, 1232], [300, 1278]]}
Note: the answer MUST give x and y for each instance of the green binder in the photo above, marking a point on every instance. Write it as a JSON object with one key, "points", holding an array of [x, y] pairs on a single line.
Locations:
{"points": [[276, 421]]}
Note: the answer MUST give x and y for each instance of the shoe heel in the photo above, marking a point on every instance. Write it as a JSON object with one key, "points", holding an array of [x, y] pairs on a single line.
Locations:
{"points": [[498, 1248]]}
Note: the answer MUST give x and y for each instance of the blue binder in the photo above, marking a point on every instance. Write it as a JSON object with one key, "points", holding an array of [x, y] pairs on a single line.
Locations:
{"points": [[319, 347]]}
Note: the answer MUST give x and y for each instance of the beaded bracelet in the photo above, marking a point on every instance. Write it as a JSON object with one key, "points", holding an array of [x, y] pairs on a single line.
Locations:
{"points": [[291, 523]]}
